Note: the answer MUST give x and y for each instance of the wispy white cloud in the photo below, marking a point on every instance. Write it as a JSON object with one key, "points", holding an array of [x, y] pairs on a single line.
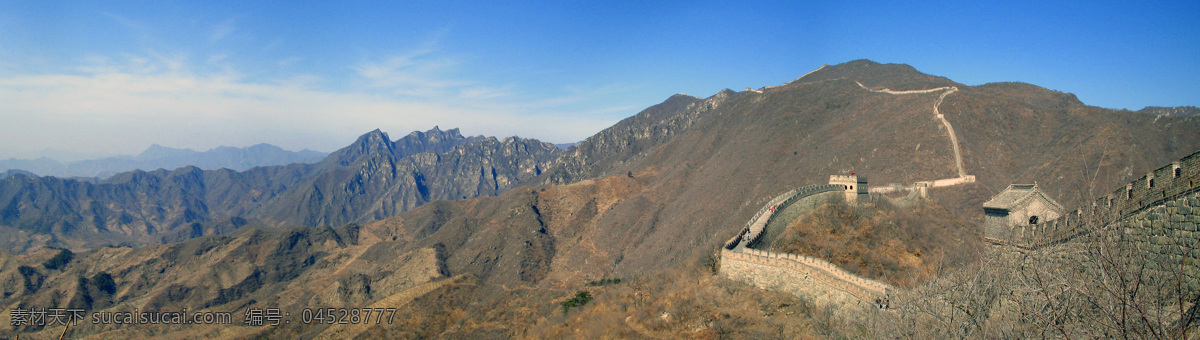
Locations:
{"points": [[418, 73], [125, 103], [289, 61], [481, 93], [222, 30], [140, 30], [120, 103], [217, 58]]}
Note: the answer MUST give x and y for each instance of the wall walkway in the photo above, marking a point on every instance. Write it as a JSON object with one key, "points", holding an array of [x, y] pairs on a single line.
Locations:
{"points": [[801, 275]]}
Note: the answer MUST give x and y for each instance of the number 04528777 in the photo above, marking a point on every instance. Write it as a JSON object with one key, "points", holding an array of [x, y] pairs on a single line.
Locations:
{"points": [[347, 315]]}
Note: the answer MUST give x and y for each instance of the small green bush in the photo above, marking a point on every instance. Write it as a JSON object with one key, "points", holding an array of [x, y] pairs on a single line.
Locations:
{"points": [[581, 298], [104, 282], [604, 282], [60, 260]]}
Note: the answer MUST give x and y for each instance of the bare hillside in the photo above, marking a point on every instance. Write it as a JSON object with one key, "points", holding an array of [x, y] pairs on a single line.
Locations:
{"points": [[649, 200]]}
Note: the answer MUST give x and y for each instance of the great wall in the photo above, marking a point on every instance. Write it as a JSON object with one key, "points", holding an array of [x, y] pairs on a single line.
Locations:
{"points": [[1158, 214], [791, 272], [922, 187], [806, 276], [1166, 195]]}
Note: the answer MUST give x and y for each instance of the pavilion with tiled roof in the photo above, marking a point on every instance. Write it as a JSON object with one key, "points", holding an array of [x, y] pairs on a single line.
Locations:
{"points": [[1018, 205]]}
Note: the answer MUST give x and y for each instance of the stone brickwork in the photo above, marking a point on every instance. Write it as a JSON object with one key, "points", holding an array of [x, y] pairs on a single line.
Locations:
{"points": [[1166, 186], [784, 279], [1158, 214], [810, 277], [855, 186], [800, 268], [1168, 236]]}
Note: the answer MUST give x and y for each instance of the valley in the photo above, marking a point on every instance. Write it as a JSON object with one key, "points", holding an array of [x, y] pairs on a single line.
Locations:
{"points": [[485, 237]]}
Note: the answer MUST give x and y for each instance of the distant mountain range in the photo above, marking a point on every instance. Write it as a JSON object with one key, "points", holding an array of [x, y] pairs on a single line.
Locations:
{"points": [[161, 157], [371, 179], [828, 122], [649, 198]]}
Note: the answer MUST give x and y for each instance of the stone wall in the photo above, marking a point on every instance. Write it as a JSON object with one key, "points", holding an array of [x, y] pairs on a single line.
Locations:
{"points": [[779, 202], [1169, 237], [1171, 184], [946, 182], [1158, 214], [800, 268], [814, 288], [814, 278]]}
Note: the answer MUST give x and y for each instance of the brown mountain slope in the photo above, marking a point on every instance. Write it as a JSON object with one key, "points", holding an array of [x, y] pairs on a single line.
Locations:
{"points": [[683, 179], [1021, 133]]}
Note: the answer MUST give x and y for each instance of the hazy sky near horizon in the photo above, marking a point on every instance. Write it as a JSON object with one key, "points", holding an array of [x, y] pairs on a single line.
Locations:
{"points": [[115, 77]]}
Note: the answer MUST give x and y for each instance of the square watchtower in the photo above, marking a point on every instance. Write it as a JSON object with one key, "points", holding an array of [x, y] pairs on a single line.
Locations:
{"points": [[855, 186]]}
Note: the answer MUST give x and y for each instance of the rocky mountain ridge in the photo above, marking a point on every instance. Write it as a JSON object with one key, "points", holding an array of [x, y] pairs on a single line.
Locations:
{"points": [[371, 179], [653, 196], [1187, 111]]}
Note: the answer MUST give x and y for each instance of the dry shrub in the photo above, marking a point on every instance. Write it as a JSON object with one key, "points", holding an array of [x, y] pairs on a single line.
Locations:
{"points": [[687, 304], [903, 246]]}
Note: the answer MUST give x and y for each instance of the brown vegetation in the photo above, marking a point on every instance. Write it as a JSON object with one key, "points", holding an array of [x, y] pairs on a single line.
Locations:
{"points": [[1098, 287], [687, 304], [500, 267], [902, 246]]}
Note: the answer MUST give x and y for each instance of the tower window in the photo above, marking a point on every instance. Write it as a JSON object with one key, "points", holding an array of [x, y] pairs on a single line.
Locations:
{"points": [[1178, 172], [1150, 182]]}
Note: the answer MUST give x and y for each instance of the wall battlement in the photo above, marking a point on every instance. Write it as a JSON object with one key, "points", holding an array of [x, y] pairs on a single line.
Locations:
{"points": [[779, 203], [815, 269], [1168, 183], [797, 274], [855, 186], [846, 178]]}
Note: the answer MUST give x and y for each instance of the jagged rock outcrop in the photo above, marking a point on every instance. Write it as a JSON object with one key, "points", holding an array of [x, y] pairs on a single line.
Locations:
{"points": [[1185, 111], [371, 179], [386, 179], [630, 138], [682, 177]]}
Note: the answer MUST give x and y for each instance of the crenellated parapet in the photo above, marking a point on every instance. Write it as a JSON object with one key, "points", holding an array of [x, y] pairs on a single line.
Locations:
{"points": [[798, 274], [811, 268], [1167, 185], [755, 226], [1173, 180]]}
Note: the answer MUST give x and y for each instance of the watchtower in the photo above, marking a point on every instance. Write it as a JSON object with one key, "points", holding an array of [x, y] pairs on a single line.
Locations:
{"points": [[1019, 205], [855, 186]]}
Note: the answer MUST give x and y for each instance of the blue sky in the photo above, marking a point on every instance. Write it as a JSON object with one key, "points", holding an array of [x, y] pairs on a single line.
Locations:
{"points": [[114, 77]]}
